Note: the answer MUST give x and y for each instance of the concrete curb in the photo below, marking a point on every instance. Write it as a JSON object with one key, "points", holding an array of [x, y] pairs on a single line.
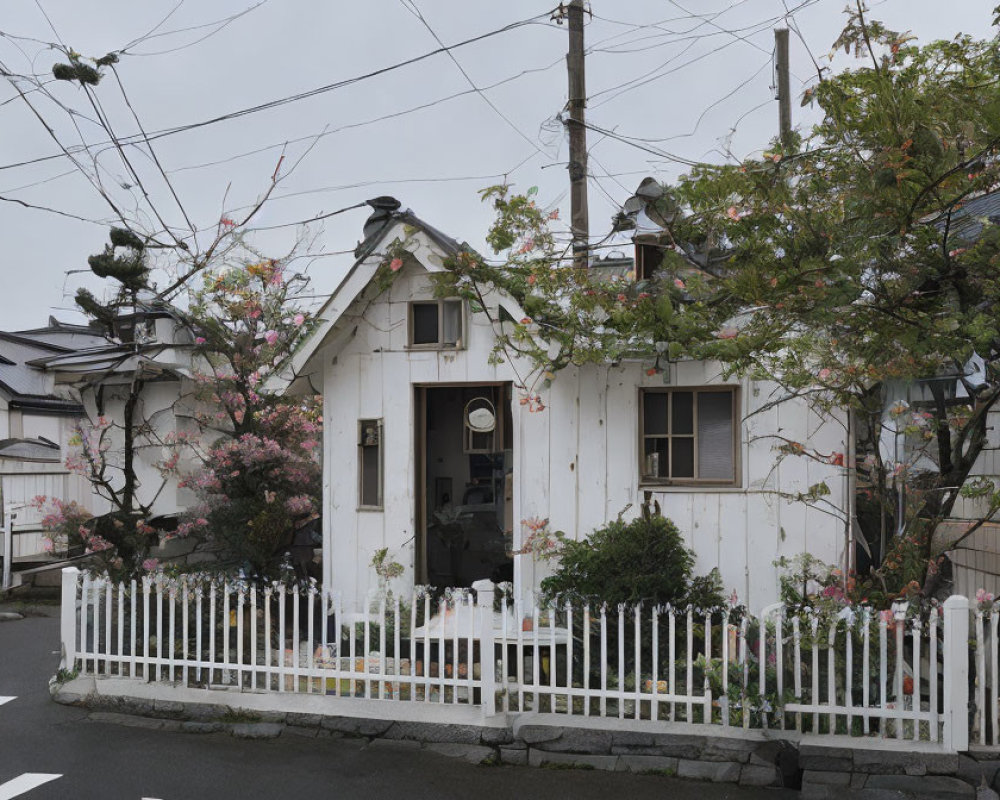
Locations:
{"points": [[755, 758]]}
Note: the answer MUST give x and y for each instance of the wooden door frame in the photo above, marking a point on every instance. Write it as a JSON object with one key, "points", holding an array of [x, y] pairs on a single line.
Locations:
{"points": [[420, 462]]}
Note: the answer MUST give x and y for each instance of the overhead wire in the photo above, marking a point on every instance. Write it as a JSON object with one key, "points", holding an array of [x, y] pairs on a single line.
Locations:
{"points": [[299, 96], [411, 5]]}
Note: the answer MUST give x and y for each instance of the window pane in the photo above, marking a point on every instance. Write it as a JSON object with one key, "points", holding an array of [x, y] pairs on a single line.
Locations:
{"points": [[369, 476], [682, 417], [451, 324], [425, 323], [654, 464], [682, 457], [654, 407], [715, 435]]}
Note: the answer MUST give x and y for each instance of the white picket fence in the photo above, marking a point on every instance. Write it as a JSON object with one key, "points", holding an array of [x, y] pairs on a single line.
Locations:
{"points": [[901, 677]]}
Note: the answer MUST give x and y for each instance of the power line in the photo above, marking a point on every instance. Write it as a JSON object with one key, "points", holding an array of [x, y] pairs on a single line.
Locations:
{"points": [[288, 99], [411, 5]]}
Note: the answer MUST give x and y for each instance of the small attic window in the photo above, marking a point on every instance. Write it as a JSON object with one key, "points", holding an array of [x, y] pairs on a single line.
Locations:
{"points": [[648, 259], [436, 324]]}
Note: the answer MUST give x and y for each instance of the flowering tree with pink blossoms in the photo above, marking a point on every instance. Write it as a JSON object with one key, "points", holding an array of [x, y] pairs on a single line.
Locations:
{"points": [[259, 474]]}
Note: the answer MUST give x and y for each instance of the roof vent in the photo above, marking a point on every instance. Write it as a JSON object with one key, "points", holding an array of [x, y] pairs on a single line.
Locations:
{"points": [[384, 203], [383, 209]]}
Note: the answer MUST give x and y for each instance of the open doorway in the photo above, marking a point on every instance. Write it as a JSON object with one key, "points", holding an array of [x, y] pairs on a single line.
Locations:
{"points": [[464, 483]]}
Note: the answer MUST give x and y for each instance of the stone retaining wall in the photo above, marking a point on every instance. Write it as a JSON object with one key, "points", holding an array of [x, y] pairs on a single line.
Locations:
{"points": [[819, 772]]}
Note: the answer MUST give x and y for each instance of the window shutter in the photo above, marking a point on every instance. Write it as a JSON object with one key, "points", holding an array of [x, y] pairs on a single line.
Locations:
{"points": [[715, 435]]}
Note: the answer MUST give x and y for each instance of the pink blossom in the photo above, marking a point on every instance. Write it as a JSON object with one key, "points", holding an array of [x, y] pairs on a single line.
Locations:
{"points": [[679, 283], [271, 337], [824, 374], [199, 340], [150, 564], [299, 319], [733, 213], [396, 264]]}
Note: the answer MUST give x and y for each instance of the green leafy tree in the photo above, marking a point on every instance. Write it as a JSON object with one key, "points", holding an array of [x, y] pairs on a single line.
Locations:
{"points": [[841, 268]]}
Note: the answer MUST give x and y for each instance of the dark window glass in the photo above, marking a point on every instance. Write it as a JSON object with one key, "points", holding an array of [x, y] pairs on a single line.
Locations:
{"points": [[425, 323], [683, 420], [682, 457], [654, 413]]}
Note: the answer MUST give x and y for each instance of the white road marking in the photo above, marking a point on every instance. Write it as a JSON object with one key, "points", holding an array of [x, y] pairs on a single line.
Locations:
{"points": [[6, 699], [25, 783]]}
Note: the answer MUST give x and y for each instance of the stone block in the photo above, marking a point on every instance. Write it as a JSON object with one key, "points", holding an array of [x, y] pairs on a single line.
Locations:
{"points": [[257, 730], [170, 709], [538, 758], [494, 736], [931, 787], [679, 746], [301, 720], [354, 726], [473, 753], [517, 756], [205, 712], [626, 739], [201, 557], [737, 750], [533, 734], [903, 762], [715, 771], [642, 764], [202, 727], [826, 759], [975, 771], [433, 732], [578, 740], [754, 775]]}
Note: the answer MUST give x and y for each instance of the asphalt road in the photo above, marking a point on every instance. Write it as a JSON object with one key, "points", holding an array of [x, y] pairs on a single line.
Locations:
{"points": [[108, 761]]}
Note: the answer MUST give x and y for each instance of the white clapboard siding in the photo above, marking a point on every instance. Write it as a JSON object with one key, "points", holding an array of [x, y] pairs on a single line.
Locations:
{"points": [[576, 462]]}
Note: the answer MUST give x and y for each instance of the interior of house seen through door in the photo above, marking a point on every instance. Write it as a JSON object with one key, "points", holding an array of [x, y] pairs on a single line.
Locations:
{"points": [[464, 492]]}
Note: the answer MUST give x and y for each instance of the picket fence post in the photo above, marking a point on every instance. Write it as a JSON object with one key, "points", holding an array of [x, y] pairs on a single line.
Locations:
{"points": [[67, 617], [487, 652], [956, 673]]}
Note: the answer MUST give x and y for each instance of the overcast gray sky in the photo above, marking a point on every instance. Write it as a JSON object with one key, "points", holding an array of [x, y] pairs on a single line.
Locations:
{"points": [[689, 79]]}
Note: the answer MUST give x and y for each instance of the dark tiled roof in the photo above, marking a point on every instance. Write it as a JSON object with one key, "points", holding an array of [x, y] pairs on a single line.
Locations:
{"points": [[29, 449], [967, 221]]}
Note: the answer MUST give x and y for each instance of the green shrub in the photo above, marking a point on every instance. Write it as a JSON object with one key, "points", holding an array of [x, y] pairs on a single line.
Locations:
{"points": [[625, 562]]}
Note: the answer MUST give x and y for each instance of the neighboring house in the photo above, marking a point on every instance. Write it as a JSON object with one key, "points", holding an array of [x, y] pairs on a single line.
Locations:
{"points": [[37, 419], [148, 355], [432, 450]]}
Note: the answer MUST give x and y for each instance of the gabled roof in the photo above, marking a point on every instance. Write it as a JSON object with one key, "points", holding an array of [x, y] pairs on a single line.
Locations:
{"points": [[28, 387], [29, 449], [386, 224]]}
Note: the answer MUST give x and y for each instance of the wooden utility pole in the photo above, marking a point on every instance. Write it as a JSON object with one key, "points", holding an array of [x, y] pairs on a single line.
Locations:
{"points": [[579, 217], [784, 88]]}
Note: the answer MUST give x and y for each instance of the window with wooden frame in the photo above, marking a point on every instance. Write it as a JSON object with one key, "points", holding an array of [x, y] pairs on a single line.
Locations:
{"points": [[689, 437], [436, 324], [370, 464]]}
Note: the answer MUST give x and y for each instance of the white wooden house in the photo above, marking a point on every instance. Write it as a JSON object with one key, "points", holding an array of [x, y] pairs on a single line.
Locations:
{"points": [[409, 463], [36, 422]]}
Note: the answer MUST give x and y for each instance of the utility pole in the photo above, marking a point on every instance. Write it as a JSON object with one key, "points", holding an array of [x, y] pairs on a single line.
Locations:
{"points": [[784, 89], [579, 217]]}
